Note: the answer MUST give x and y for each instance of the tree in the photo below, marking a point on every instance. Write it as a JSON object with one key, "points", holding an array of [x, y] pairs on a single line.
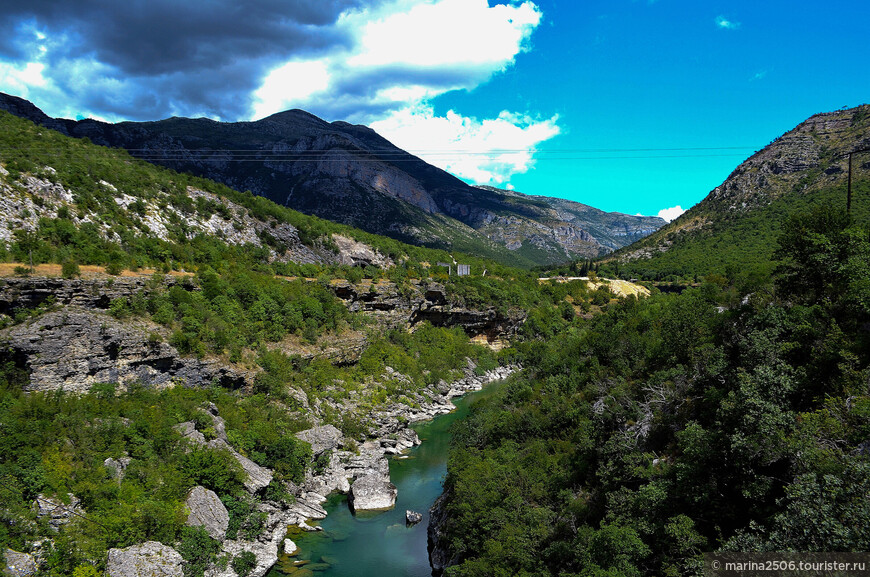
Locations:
{"points": [[826, 260]]}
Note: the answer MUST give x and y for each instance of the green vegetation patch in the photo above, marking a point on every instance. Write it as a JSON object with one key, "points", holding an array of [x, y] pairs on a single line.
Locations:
{"points": [[717, 419]]}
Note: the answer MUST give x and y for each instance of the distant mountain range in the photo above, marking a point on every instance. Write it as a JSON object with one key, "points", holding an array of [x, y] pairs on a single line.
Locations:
{"points": [[348, 173], [738, 222]]}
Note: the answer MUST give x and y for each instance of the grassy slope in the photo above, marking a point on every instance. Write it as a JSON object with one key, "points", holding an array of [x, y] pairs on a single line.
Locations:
{"points": [[746, 243]]}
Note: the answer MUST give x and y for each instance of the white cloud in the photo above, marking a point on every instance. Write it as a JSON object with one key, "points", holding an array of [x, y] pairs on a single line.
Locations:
{"points": [[670, 214], [403, 55], [379, 63], [292, 82], [443, 33], [20, 78], [726, 24], [484, 151]]}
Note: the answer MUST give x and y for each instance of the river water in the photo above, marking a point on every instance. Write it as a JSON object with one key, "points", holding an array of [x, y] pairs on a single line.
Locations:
{"points": [[379, 544]]}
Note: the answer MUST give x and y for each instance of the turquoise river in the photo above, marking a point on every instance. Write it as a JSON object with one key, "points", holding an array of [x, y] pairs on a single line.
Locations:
{"points": [[380, 544]]}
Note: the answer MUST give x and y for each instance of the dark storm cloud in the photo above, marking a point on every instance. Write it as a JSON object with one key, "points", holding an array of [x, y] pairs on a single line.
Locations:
{"points": [[170, 55]]}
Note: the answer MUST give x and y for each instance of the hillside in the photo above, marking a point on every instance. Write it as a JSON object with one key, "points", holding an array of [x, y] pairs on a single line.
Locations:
{"points": [[737, 223], [187, 371], [350, 174]]}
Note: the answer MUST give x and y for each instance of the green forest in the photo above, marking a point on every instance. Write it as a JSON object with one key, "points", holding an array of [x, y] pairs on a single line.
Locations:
{"points": [[733, 416]]}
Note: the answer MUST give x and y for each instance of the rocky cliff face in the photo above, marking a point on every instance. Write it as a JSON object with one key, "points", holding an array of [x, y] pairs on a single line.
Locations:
{"points": [[818, 145], [350, 174], [73, 349], [561, 227]]}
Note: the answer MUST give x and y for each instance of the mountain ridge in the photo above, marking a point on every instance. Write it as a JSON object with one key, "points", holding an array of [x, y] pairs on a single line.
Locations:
{"points": [[351, 174], [737, 222]]}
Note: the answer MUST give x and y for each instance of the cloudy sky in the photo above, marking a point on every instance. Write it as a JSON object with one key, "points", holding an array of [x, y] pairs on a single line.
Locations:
{"points": [[640, 106]]}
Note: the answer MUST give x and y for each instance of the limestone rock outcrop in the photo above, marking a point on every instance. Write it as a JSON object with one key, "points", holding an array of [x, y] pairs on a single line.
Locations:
{"points": [[18, 564], [150, 559], [207, 510], [257, 477], [266, 555], [117, 466], [321, 439], [372, 493], [27, 293], [58, 512], [73, 349]]}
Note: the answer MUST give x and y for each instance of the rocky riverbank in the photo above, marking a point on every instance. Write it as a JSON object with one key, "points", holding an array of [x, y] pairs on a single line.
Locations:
{"points": [[359, 470]]}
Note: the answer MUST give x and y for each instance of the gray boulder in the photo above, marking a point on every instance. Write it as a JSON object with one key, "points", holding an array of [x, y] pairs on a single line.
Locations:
{"points": [[372, 493], [18, 564], [265, 553], [118, 467], [207, 510], [220, 428], [150, 559], [412, 517], [290, 547], [321, 439], [188, 430]]}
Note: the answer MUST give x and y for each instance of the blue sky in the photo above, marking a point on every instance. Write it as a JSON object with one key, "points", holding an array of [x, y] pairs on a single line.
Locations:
{"points": [[628, 105]]}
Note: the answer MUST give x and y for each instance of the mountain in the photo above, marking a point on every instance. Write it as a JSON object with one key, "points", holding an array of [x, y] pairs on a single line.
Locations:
{"points": [[738, 222], [348, 173]]}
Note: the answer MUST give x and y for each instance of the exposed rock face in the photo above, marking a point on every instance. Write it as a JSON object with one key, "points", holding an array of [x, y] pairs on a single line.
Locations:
{"points": [[73, 349], [325, 438], [28, 198], [188, 430], [258, 477], [412, 517], [355, 253], [79, 345], [118, 466], [18, 564], [372, 493], [266, 554], [559, 227], [150, 559], [207, 510], [289, 547], [427, 302], [58, 513], [28, 293]]}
